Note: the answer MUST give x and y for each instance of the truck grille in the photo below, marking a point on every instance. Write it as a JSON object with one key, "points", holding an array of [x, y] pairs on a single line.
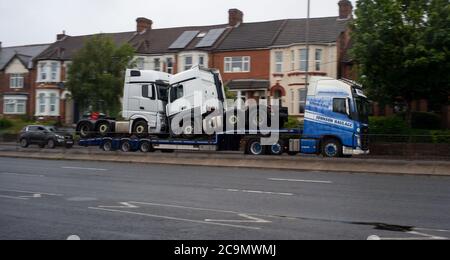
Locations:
{"points": [[365, 138]]}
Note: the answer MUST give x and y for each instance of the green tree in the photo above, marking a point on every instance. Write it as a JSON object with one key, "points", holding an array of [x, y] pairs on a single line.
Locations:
{"points": [[402, 48], [97, 73]]}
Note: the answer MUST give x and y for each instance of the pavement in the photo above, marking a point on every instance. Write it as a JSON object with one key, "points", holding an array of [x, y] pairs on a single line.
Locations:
{"points": [[58, 199], [238, 159]]}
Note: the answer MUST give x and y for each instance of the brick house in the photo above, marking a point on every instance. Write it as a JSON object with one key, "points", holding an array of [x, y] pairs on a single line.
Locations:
{"points": [[17, 75], [52, 99]]}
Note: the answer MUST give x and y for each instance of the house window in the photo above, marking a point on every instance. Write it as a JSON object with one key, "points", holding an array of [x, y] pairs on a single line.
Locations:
{"points": [[303, 59], [43, 71], [301, 100], [140, 63], [318, 59], [292, 101], [157, 64], [292, 60], [54, 71], [169, 68], [201, 61], [237, 64], [278, 61], [16, 81], [41, 102], [188, 62], [15, 105], [52, 103]]}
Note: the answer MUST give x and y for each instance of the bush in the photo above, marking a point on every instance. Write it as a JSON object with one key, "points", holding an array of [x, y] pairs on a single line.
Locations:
{"points": [[441, 136], [292, 123], [421, 120], [5, 123], [392, 125]]}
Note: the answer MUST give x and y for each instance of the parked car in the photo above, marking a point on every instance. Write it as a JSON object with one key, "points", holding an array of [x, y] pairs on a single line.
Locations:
{"points": [[44, 136]]}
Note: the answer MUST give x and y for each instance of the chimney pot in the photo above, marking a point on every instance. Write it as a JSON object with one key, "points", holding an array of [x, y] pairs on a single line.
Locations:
{"points": [[345, 9], [143, 24], [61, 36], [235, 17]]}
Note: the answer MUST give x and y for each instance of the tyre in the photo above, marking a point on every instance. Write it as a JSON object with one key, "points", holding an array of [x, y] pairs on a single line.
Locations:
{"points": [[276, 149], [140, 128], [146, 147], [254, 147], [85, 130], [103, 129], [125, 146], [107, 146], [24, 143], [332, 148], [51, 144]]}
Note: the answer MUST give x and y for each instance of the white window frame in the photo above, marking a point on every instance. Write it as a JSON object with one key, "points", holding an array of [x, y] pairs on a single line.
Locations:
{"points": [[157, 64], [245, 61], [140, 63], [169, 69], [54, 69], [278, 61], [292, 60], [302, 102], [303, 58], [42, 72], [188, 66], [16, 80], [202, 61], [44, 103], [318, 59], [16, 101]]}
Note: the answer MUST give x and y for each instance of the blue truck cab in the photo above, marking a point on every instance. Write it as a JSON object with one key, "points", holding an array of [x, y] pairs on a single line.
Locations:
{"points": [[336, 118]]}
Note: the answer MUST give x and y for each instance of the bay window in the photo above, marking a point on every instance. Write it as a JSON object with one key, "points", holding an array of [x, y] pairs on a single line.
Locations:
{"points": [[47, 103], [318, 59], [303, 59]]}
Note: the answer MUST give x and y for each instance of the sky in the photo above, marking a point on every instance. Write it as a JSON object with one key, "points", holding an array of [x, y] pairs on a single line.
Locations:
{"points": [[25, 22]]}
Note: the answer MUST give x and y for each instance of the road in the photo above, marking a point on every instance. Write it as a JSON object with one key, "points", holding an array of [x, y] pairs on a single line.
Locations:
{"points": [[42, 199]]}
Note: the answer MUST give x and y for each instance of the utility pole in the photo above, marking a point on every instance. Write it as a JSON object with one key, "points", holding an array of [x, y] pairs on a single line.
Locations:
{"points": [[307, 45]]}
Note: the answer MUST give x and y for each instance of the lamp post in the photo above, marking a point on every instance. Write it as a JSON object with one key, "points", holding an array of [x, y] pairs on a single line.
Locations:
{"points": [[307, 45]]}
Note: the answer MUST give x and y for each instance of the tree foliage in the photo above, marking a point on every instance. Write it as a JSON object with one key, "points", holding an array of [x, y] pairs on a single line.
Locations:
{"points": [[96, 74], [403, 49]]}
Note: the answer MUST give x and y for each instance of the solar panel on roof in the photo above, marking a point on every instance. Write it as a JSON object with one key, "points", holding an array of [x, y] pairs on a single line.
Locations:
{"points": [[211, 38], [184, 39]]}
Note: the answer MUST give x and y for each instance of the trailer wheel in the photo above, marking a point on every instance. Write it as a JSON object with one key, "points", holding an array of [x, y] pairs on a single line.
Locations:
{"points": [[85, 130], [107, 146], [125, 146], [276, 149], [146, 147], [332, 148], [254, 147]]}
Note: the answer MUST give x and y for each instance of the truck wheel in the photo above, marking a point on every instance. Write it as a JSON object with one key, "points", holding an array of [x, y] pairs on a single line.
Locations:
{"points": [[140, 129], [104, 128], [332, 148], [276, 149], [107, 146], [51, 144], [85, 130], [125, 146], [146, 147], [24, 143], [254, 147]]}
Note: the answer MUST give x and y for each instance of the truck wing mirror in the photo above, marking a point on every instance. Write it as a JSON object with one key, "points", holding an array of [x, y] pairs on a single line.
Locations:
{"points": [[347, 107]]}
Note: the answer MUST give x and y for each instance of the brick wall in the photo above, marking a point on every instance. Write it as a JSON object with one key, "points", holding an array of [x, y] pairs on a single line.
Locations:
{"points": [[259, 64]]}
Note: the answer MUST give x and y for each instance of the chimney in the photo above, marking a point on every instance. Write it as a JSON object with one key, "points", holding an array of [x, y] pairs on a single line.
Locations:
{"points": [[143, 24], [345, 9], [235, 17], [61, 36]]}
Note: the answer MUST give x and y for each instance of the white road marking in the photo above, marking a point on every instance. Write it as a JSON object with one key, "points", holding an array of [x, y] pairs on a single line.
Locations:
{"points": [[174, 218], [258, 192], [32, 192], [251, 220], [417, 235], [22, 174], [74, 238], [125, 205], [307, 181], [12, 197], [82, 168]]}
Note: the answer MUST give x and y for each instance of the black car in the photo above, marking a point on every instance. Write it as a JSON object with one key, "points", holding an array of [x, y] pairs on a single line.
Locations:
{"points": [[44, 136]]}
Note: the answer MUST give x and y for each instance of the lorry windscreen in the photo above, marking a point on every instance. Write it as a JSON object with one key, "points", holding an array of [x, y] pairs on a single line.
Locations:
{"points": [[163, 94], [362, 107]]}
